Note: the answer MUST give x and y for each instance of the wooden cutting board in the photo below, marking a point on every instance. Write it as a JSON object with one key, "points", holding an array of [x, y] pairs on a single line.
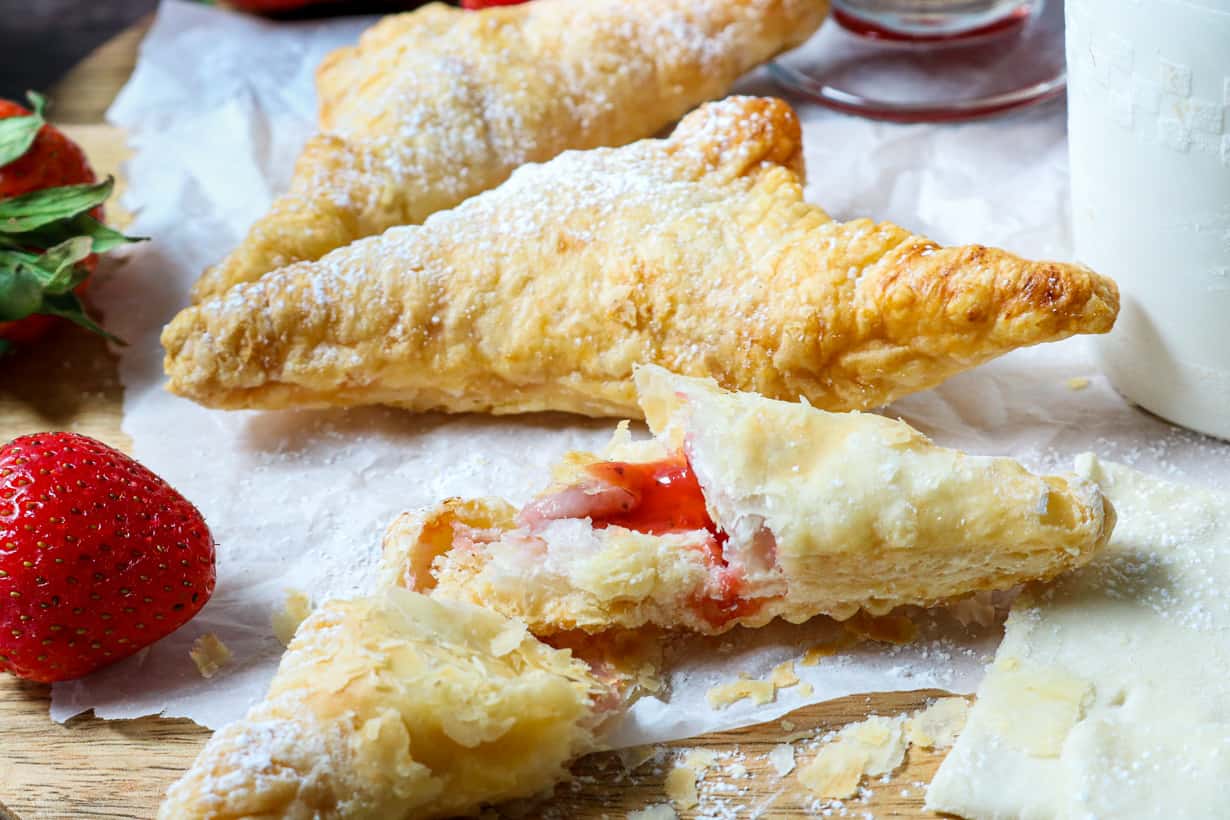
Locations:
{"points": [[92, 768]]}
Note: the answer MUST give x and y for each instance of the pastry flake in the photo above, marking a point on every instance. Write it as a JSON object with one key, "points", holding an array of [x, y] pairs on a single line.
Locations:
{"points": [[695, 252], [398, 706], [743, 509], [758, 692], [210, 654], [938, 725], [680, 786], [872, 747], [436, 105], [781, 758], [293, 611]]}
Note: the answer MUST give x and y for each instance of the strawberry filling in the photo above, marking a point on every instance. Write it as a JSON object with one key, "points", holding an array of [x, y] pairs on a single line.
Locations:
{"points": [[654, 497], [660, 496]]}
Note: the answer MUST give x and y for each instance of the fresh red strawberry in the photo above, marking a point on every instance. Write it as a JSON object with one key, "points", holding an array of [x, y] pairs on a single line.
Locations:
{"points": [[50, 228], [274, 6], [280, 8], [482, 4], [50, 160], [99, 557]]}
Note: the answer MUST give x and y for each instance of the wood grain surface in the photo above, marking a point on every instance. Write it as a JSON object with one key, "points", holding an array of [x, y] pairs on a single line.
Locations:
{"points": [[91, 768]]}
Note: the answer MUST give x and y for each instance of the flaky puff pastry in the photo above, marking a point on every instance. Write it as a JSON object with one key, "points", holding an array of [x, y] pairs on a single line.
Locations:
{"points": [[436, 105], [398, 706], [695, 252], [798, 512]]}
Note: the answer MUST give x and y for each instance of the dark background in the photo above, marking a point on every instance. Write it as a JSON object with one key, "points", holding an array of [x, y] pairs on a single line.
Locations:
{"points": [[40, 40]]}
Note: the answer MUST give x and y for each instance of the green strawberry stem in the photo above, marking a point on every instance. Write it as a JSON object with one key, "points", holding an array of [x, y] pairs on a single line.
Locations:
{"points": [[17, 134], [68, 306], [37, 209], [48, 239], [27, 280], [43, 283], [21, 292], [104, 238]]}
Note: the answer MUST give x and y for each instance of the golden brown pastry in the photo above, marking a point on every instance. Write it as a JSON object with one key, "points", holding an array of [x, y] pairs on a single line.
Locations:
{"points": [[744, 509], [436, 105], [397, 707], [695, 252]]}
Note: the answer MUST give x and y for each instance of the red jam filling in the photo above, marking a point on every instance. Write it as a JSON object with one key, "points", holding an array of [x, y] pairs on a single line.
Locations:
{"points": [[727, 605], [666, 497]]}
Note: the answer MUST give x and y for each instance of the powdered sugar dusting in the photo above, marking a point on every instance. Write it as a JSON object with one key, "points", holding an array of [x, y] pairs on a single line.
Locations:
{"points": [[299, 499], [429, 291], [439, 104]]}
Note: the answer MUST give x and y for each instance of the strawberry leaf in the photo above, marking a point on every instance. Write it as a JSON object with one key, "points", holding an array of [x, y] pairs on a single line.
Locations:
{"points": [[17, 134], [57, 270], [28, 212], [11, 257], [105, 238], [61, 263], [27, 281], [68, 306], [21, 292], [5, 346]]}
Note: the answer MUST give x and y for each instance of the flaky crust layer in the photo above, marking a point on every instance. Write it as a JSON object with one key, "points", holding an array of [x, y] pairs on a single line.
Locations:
{"points": [[393, 707], [824, 514], [436, 105], [696, 252]]}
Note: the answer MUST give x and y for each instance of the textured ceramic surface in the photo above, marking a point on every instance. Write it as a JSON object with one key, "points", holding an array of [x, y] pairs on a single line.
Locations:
{"points": [[1149, 130]]}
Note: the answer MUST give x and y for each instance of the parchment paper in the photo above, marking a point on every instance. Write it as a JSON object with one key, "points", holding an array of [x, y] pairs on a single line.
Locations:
{"points": [[217, 110]]}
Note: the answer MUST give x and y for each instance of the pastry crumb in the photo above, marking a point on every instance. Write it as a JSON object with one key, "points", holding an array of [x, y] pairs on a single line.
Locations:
{"points": [[294, 611], [700, 759], [937, 726], [759, 692], [681, 781], [875, 746], [209, 654], [781, 758], [834, 773], [681, 787], [1078, 383], [659, 812], [784, 676]]}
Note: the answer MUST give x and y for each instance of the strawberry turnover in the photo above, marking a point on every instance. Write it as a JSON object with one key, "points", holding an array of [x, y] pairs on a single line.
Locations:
{"points": [[656, 498], [743, 509]]}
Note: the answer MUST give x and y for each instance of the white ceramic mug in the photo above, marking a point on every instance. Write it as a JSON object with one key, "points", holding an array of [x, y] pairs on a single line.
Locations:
{"points": [[1149, 132]]}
